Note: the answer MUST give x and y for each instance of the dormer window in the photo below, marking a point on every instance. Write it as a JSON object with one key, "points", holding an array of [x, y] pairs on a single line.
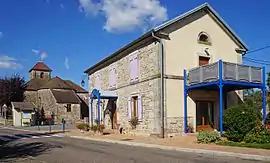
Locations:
{"points": [[204, 38]]}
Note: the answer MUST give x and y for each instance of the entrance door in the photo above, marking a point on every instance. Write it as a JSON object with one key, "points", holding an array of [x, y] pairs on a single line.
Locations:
{"points": [[204, 115]]}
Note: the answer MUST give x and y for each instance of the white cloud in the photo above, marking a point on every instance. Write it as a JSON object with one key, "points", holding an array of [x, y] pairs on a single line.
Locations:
{"points": [[1, 35], [89, 7], [42, 54], [7, 62], [126, 15], [66, 63]]}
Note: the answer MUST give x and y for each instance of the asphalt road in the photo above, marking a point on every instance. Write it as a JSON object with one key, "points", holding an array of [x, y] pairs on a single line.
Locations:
{"points": [[56, 149]]}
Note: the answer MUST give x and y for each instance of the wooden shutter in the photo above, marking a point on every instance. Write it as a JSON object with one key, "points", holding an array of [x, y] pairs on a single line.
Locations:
{"points": [[140, 108], [129, 108]]}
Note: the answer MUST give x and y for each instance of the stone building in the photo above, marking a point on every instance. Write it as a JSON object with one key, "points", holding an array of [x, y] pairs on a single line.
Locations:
{"points": [[62, 98], [144, 80]]}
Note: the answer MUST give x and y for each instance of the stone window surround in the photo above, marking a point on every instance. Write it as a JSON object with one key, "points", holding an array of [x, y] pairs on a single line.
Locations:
{"points": [[209, 42], [139, 111]]}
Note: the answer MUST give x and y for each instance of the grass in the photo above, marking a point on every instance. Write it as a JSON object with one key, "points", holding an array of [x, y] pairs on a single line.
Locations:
{"points": [[248, 145]]}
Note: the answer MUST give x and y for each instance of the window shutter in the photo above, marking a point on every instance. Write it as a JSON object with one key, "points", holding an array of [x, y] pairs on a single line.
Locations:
{"points": [[140, 108], [131, 69], [110, 78], [136, 66], [129, 108], [114, 77]]}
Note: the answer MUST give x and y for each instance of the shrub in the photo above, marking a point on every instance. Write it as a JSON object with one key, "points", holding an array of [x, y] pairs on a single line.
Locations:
{"points": [[208, 137], [94, 128], [134, 122], [83, 126], [239, 120], [259, 135], [100, 128]]}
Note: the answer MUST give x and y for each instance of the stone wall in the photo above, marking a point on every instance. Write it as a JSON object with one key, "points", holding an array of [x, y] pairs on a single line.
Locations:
{"points": [[36, 74], [32, 97], [147, 87], [84, 97], [50, 106]]}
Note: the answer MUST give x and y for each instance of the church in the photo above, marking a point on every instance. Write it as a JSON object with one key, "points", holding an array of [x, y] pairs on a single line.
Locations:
{"points": [[56, 96]]}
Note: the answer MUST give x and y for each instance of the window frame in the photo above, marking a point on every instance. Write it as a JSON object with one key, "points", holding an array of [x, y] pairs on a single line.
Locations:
{"points": [[209, 42]]}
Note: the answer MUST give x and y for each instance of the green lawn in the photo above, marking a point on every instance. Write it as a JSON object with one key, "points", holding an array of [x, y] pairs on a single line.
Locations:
{"points": [[248, 145]]}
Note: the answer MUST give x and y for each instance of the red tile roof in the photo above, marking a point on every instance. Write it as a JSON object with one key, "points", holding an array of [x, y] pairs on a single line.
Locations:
{"points": [[41, 66]]}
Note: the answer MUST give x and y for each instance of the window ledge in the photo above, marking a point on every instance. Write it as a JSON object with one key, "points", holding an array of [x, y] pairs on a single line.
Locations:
{"points": [[205, 43]]}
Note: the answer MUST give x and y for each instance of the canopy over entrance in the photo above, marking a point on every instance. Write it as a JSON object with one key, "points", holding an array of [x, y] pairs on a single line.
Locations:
{"points": [[97, 94]]}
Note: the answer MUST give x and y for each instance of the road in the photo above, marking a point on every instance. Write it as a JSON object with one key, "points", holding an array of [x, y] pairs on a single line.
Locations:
{"points": [[27, 147]]}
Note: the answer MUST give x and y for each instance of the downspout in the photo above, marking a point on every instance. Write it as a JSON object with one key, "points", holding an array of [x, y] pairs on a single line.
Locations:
{"points": [[161, 55]]}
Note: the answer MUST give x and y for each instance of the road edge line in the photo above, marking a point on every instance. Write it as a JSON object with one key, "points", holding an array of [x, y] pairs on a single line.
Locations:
{"points": [[178, 149]]}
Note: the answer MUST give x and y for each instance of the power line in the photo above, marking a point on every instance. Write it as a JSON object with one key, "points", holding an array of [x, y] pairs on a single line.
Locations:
{"points": [[259, 49], [258, 60]]}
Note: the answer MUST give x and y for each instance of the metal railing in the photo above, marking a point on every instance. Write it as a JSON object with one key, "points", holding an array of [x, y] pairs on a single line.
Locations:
{"points": [[230, 72]]}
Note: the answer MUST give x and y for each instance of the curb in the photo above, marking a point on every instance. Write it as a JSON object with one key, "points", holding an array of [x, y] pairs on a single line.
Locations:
{"points": [[38, 131], [188, 150]]}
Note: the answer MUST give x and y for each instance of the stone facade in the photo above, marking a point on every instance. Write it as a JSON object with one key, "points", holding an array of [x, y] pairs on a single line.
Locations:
{"points": [[39, 74], [32, 97], [48, 102], [147, 87]]}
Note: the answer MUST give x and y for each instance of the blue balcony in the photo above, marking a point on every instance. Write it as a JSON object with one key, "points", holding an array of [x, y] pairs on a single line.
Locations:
{"points": [[224, 77]]}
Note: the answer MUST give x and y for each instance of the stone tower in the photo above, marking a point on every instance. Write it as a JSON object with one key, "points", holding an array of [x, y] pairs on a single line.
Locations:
{"points": [[41, 71]]}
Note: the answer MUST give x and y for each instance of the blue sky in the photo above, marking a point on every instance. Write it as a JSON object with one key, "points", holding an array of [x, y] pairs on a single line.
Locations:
{"points": [[75, 34]]}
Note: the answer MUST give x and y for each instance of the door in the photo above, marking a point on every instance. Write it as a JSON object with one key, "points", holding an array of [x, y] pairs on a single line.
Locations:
{"points": [[204, 115]]}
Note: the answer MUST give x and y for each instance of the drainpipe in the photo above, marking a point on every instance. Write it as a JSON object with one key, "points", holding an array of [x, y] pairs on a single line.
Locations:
{"points": [[161, 55]]}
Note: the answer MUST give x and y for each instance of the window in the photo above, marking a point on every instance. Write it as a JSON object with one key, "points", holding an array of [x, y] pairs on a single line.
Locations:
{"points": [[97, 81], [203, 60], [135, 107], [134, 68], [112, 77], [41, 75], [204, 38], [68, 107]]}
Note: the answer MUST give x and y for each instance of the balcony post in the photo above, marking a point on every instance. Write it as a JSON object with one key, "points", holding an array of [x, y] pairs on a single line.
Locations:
{"points": [[185, 101], [264, 94], [220, 85]]}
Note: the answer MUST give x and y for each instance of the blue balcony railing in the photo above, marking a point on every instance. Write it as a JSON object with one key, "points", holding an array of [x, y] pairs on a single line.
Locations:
{"points": [[230, 72]]}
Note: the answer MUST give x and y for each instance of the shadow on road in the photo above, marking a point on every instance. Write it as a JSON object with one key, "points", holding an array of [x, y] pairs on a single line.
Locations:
{"points": [[10, 151]]}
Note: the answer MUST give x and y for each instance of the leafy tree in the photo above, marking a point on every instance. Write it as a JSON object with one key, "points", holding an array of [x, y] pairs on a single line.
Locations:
{"points": [[11, 89]]}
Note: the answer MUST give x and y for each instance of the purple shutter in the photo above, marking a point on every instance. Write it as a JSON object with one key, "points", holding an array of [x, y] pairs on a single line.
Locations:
{"points": [[140, 108], [136, 70], [129, 108], [131, 69], [114, 77], [110, 78]]}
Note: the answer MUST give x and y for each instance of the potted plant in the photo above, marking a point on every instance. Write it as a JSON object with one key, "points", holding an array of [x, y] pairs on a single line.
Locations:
{"points": [[133, 122]]}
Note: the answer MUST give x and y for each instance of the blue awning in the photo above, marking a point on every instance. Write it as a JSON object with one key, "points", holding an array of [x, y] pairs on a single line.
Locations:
{"points": [[103, 94]]}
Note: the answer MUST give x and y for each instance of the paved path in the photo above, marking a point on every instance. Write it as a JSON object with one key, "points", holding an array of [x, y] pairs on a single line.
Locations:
{"points": [[69, 150]]}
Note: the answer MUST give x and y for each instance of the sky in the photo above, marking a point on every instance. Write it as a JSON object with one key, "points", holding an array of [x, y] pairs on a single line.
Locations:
{"points": [[72, 35]]}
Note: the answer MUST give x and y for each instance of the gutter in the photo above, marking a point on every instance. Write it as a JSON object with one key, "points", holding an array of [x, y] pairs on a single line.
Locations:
{"points": [[161, 55]]}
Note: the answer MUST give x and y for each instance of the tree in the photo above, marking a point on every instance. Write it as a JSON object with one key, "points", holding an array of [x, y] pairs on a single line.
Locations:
{"points": [[11, 89]]}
